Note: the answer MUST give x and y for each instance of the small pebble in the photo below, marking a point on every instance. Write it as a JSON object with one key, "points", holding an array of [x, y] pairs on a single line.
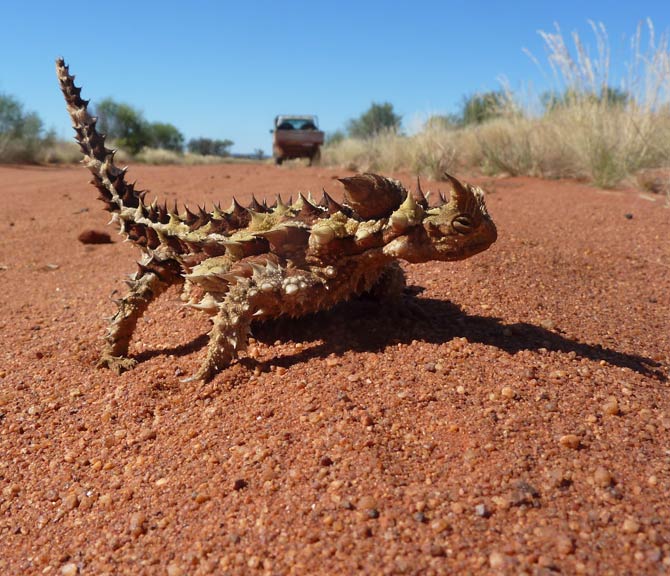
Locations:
{"points": [[69, 569], [420, 517], [11, 490], [507, 392], [202, 497], [501, 502], [654, 555], [239, 484], [439, 525], [70, 502], [630, 526], [147, 434], [437, 551], [570, 441], [367, 503], [482, 510], [602, 477], [174, 569], [611, 406], [94, 237], [138, 524], [564, 544], [496, 559]]}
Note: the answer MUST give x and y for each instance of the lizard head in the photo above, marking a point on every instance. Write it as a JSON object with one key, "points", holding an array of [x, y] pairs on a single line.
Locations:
{"points": [[455, 230]]}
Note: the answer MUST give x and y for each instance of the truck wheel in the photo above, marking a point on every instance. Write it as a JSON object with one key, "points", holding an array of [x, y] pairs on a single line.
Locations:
{"points": [[315, 158], [278, 160]]}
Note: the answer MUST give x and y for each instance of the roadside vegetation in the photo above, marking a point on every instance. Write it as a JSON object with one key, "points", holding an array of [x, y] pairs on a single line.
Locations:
{"points": [[593, 125], [22, 135], [23, 138], [586, 128]]}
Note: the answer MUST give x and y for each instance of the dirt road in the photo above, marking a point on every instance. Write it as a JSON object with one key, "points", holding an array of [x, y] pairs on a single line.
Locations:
{"points": [[522, 427]]}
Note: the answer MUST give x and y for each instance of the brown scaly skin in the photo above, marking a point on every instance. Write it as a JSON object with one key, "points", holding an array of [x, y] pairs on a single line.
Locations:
{"points": [[246, 264]]}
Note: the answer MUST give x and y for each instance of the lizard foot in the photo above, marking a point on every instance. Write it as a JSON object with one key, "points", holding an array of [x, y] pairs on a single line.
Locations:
{"points": [[117, 364]]}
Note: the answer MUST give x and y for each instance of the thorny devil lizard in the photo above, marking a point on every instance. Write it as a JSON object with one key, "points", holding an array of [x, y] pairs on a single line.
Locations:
{"points": [[246, 264]]}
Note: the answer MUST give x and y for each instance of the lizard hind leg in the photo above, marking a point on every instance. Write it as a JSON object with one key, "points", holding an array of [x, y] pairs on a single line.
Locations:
{"points": [[152, 279]]}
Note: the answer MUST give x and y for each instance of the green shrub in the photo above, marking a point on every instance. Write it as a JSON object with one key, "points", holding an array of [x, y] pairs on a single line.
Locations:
{"points": [[210, 147], [21, 132], [123, 124], [480, 108], [166, 136], [379, 118]]}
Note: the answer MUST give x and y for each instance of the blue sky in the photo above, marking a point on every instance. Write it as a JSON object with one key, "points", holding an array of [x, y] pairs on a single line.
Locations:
{"points": [[225, 69]]}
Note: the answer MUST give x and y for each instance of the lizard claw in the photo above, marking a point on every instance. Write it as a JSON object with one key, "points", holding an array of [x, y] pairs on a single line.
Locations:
{"points": [[205, 373], [117, 364]]}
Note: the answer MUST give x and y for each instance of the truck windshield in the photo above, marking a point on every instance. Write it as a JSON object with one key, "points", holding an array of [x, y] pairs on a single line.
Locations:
{"points": [[296, 124]]}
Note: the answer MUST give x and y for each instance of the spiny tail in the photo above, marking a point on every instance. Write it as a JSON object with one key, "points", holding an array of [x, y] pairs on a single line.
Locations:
{"points": [[120, 197], [107, 177], [147, 225]]}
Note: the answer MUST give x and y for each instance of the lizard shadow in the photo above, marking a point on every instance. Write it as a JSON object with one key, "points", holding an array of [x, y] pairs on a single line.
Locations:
{"points": [[365, 325]]}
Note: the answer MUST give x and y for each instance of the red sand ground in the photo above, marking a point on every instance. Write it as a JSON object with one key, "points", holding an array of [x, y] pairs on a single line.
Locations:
{"points": [[523, 427]]}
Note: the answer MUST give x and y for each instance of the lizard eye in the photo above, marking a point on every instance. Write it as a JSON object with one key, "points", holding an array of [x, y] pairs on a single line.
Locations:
{"points": [[462, 224]]}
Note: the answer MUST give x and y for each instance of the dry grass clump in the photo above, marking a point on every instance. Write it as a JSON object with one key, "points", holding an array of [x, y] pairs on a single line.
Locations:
{"points": [[608, 134], [158, 156], [60, 152], [386, 151], [430, 152], [47, 151], [607, 145], [433, 151]]}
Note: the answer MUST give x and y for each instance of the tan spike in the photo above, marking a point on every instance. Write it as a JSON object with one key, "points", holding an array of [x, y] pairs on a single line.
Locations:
{"points": [[255, 205], [236, 208], [460, 194], [257, 220], [421, 198], [332, 206]]}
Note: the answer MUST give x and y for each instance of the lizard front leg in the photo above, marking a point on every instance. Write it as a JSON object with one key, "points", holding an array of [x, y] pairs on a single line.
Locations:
{"points": [[229, 333], [388, 288], [145, 286], [267, 289], [388, 291]]}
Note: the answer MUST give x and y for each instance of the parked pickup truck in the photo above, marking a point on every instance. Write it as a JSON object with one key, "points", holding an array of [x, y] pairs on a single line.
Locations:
{"points": [[296, 137]]}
